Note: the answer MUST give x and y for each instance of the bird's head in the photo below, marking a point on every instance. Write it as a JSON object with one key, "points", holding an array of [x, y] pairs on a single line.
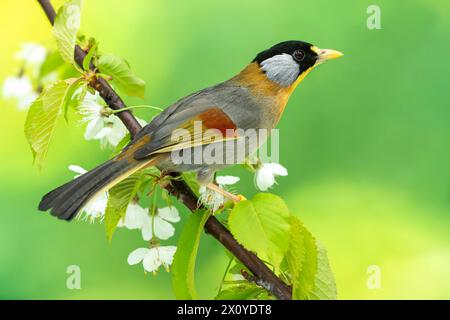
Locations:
{"points": [[287, 63]]}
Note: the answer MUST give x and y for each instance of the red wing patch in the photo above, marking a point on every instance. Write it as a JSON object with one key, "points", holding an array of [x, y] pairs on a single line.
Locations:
{"points": [[216, 119]]}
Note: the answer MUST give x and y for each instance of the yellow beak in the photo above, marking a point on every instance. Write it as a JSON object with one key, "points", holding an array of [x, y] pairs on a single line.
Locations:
{"points": [[328, 54]]}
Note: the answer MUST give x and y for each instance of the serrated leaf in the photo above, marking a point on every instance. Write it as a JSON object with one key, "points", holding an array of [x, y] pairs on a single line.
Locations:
{"points": [[119, 197], [65, 28], [121, 74], [295, 257], [183, 265], [41, 119], [262, 225], [324, 284], [248, 291], [308, 265], [303, 284]]}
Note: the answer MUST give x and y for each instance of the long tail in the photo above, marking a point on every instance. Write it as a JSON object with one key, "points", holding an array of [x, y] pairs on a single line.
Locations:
{"points": [[67, 200]]}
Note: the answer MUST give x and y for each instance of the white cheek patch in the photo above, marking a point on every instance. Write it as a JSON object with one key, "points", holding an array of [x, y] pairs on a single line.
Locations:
{"points": [[281, 69]]}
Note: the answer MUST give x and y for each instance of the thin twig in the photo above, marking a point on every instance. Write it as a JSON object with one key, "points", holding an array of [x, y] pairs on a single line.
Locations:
{"points": [[179, 188]]}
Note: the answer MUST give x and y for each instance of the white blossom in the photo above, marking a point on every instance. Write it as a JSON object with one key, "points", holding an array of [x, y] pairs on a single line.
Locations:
{"points": [[19, 89], [213, 199], [32, 54], [266, 174], [160, 224], [153, 258], [96, 206], [134, 217], [102, 126], [227, 180]]}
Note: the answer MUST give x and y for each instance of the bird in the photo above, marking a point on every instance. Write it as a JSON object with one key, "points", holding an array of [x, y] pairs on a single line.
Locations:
{"points": [[254, 99]]}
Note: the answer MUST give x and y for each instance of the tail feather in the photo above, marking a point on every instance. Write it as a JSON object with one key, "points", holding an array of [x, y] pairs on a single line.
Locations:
{"points": [[67, 200]]}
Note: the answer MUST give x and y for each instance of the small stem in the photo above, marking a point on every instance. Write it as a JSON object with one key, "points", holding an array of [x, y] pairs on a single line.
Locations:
{"points": [[136, 107], [154, 199]]}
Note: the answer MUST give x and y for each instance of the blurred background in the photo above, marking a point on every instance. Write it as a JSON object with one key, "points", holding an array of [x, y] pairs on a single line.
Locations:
{"points": [[366, 140]]}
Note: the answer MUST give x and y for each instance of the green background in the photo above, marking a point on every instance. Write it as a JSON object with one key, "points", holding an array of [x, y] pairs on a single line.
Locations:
{"points": [[365, 139]]}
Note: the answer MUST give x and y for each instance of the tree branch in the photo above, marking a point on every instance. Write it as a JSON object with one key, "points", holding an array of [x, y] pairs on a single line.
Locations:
{"points": [[179, 188]]}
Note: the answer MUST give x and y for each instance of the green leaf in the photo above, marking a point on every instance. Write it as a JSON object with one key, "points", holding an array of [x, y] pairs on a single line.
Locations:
{"points": [[87, 59], [65, 29], [183, 265], [74, 84], [119, 198], [121, 74], [324, 284], [77, 99], [308, 265], [248, 291], [41, 119], [262, 225], [295, 257], [301, 259]]}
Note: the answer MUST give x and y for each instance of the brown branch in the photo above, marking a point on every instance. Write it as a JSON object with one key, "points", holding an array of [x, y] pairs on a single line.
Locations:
{"points": [[180, 189]]}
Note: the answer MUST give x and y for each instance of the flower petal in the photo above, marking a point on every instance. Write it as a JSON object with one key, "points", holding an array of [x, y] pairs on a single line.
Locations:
{"points": [[103, 133], [117, 132], [166, 255], [227, 180], [147, 228], [17, 87], [32, 53], [264, 178], [169, 214], [96, 206], [93, 128], [151, 260], [277, 169], [134, 216], [77, 169], [25, 102], [163, 229], [137, 256], [142, 122]]}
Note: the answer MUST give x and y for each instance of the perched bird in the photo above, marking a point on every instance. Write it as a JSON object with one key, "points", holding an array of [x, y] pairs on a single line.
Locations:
{"points": [[253, 99]]}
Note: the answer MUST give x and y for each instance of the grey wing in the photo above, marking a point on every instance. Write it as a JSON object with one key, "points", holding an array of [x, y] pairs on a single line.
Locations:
{"points": [[234, 101]]}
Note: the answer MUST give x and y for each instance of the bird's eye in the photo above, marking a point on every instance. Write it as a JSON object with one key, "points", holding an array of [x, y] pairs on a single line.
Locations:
{"points": [[298, 55]]}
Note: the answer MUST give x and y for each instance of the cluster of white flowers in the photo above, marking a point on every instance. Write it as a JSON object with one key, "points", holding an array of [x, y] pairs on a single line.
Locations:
{"points": [[20, 88], [102, 126], [153, 258], [212, 199], [158, 226]]}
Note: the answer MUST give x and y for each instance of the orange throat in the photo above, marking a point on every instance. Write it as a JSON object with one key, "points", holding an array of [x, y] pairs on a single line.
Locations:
{"points": [[255, 79]]}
